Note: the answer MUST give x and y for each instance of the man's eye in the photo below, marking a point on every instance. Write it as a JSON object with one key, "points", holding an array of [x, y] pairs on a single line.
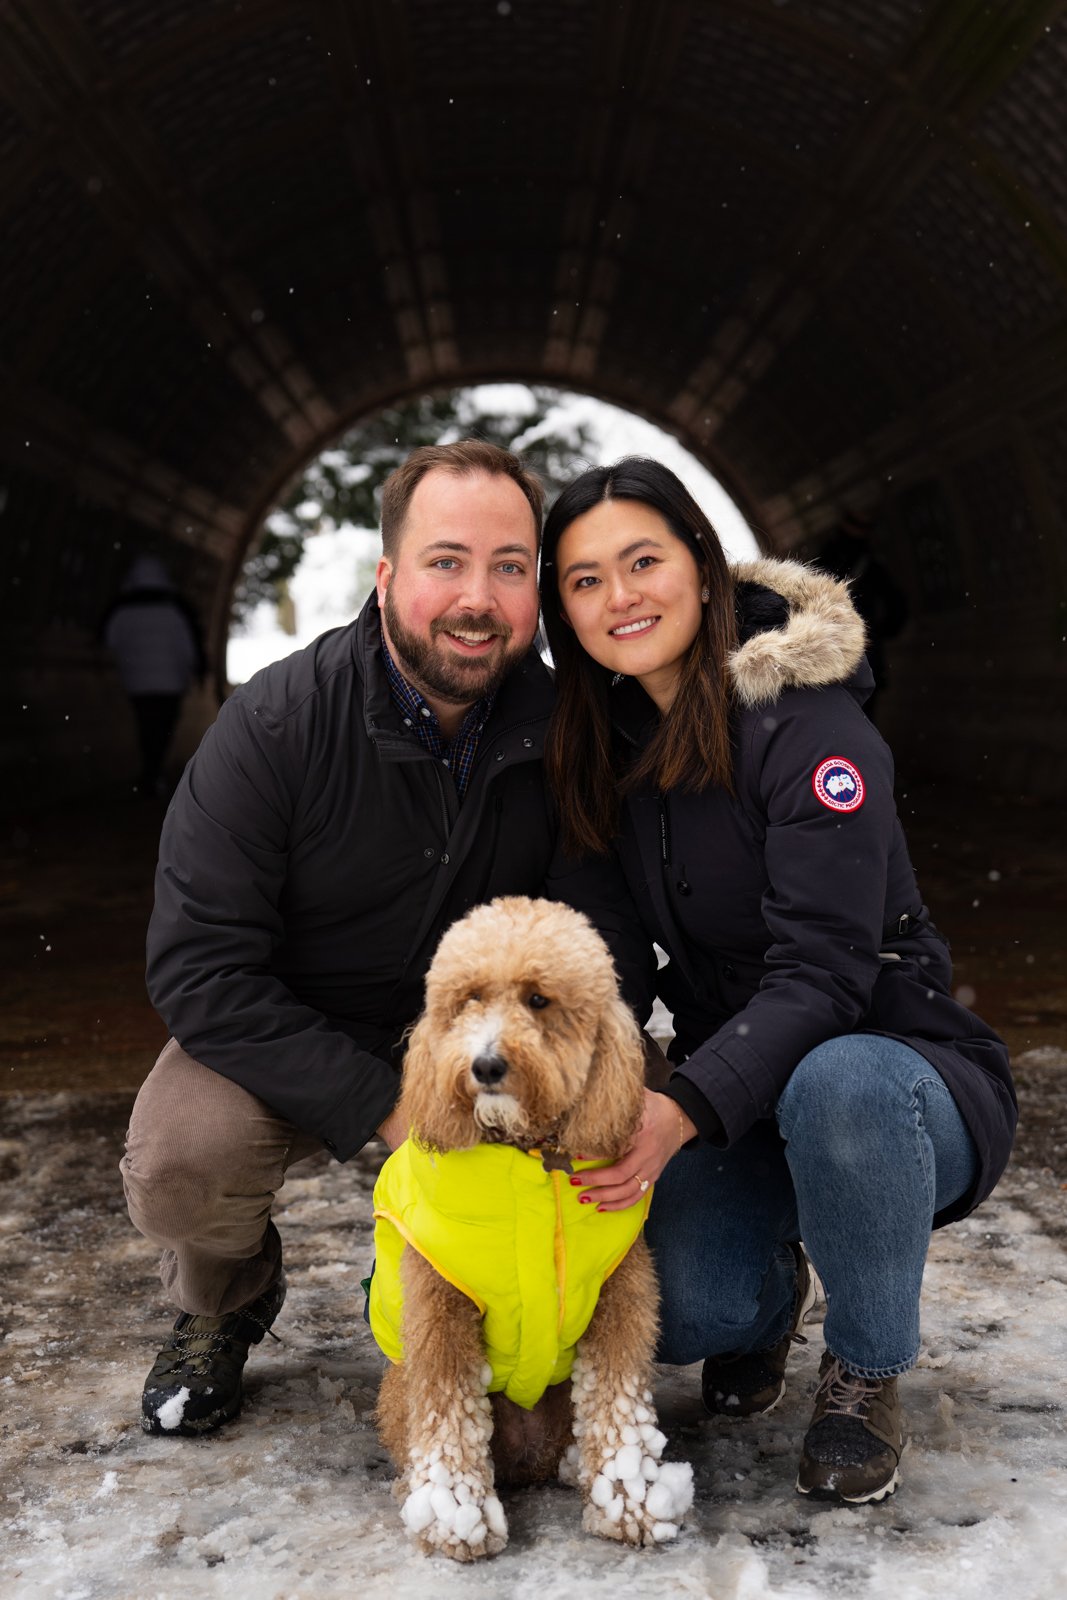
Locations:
{"points": [[446, 562], [511, 568], [538, 1002]]}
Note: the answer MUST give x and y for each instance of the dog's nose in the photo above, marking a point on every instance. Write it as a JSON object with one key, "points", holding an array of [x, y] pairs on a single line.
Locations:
{"points": [[488, 1068]]}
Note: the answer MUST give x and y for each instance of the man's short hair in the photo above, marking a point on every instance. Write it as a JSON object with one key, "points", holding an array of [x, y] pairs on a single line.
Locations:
{"points": [[463, 458]]}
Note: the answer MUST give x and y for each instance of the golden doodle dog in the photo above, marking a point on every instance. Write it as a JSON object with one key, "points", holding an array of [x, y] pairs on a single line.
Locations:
{"points": [[520, 1322]]}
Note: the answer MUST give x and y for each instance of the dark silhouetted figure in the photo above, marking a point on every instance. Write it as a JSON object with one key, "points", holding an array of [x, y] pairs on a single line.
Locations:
{"points": [[876, 595], [154, 636]]}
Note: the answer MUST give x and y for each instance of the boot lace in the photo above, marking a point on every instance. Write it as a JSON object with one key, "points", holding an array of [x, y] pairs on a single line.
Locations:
{"points": [[844, 1394], [194, 1347]]}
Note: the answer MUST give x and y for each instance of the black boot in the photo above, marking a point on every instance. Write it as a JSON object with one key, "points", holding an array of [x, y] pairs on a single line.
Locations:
{"points": [[195, 1383], [748, 1384]]}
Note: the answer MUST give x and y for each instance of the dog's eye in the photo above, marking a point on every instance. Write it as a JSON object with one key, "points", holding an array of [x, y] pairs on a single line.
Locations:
{"points": [[538, 1002], [473, 998]]}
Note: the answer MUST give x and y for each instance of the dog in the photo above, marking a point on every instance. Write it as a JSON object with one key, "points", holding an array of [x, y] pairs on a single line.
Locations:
{"points": [[521, 1324]]}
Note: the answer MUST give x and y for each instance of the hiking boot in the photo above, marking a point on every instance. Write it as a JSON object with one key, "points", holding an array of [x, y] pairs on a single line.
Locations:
{"points": [[852, 1448], [748, 1384], [195, 1384]]}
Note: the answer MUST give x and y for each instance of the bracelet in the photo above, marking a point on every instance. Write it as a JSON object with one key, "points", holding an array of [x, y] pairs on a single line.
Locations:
{"points": [[681, 1125]]}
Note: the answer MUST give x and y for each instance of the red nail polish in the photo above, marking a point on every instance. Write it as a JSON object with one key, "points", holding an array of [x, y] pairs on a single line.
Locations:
{"points": [[576, 1183], [584, 1199]]}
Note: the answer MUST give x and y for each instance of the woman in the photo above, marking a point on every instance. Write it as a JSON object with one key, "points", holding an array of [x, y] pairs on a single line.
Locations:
{"points": [[710, 740]]}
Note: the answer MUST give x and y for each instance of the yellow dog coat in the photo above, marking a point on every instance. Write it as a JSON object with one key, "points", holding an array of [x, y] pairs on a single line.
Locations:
{"points": [[514, 1239]]}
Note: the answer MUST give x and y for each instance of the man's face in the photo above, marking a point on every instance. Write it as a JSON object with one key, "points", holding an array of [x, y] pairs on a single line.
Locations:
{"points": [[460, 599]]}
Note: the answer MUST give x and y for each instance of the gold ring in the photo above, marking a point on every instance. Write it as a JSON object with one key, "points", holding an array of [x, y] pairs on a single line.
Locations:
{"points": [[642, 1183]]}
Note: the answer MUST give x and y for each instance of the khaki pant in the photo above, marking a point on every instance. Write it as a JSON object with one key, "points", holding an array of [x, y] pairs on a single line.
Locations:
{"points": [[204, 1160]]}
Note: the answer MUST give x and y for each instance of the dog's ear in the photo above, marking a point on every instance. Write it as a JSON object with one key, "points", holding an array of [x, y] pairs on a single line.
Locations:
{"points": [[607, 1115], [429, 1104]]}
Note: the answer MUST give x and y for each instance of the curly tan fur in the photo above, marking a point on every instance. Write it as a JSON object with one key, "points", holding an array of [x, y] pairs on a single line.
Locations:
{"points": [[572, 1075], [821, 643], [574, 1066]]}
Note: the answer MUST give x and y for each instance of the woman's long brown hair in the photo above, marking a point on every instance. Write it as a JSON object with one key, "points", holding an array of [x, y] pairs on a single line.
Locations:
{"points": [[691, 747]]}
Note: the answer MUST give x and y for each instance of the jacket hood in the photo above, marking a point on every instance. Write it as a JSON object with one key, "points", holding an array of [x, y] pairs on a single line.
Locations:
{"points": [[820, 642]]}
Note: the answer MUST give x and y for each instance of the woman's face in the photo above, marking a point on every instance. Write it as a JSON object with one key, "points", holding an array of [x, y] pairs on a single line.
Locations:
{"points": [[630, 589]]}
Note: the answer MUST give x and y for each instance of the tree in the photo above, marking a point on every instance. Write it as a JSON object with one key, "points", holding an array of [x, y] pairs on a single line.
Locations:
{"points": [[343, 484]]}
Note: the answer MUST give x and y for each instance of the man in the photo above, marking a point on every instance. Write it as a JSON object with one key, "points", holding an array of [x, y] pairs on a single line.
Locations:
{"points": [[349, 803]]}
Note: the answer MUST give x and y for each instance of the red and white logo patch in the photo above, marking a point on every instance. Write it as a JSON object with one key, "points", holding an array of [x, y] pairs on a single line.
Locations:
{"points": [[838, 785]]}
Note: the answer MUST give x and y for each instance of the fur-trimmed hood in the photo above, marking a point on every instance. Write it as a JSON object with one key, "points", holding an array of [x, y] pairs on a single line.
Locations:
{"points": [[820, 641]]}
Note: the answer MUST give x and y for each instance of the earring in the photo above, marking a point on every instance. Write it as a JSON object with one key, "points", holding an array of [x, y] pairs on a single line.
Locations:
{"points": [[705, 594]]}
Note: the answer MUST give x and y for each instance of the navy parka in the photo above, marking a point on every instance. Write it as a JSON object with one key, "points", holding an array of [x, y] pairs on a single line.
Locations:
{"points": [[789, 909]]}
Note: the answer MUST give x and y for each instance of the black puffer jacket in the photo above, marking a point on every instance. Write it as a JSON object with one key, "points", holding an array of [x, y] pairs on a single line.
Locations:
{"points": [[789, 910], [312, 857]]}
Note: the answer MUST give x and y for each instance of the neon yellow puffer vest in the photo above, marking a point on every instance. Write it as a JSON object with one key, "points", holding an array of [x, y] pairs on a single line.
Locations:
{"points": [[510, 1236]]}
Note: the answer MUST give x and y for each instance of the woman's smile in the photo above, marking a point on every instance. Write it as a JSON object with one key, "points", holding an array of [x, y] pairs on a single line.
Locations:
{"points": [[627, 629]]}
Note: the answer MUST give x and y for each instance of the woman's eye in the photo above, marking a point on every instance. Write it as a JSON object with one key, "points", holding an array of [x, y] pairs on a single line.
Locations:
{"points": [[538, 1002], [643, 561], [585, 583]]}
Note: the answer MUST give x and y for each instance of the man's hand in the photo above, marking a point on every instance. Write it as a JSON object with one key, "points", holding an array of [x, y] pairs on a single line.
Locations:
{"points": [[664, 1129], [392, 1130]]}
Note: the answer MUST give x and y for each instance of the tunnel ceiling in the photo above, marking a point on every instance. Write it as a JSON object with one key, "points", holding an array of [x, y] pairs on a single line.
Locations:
{"points": [[823, 242]]}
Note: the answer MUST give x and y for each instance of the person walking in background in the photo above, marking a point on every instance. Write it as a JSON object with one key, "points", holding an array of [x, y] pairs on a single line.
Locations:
{"points": [[154, 636], [875, 593]]}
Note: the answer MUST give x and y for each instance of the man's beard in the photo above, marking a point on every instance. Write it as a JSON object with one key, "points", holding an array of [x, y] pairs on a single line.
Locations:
{"points": [[455, 680]]}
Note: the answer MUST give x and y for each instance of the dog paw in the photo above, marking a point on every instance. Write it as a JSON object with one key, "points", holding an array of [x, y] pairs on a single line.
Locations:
{"points": [[638, 1499], [455, 1514], [570, 1467]]}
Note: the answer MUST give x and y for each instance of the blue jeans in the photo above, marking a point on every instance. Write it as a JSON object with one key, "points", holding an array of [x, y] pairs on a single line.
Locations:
{"points": [[867, 1144]]}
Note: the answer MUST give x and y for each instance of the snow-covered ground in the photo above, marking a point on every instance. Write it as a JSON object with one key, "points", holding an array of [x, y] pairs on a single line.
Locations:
{"points": [[337, 571], [292, 1502]]}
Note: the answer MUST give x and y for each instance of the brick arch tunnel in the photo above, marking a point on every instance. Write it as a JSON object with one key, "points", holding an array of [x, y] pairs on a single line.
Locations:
{"points": [[823, 244]]}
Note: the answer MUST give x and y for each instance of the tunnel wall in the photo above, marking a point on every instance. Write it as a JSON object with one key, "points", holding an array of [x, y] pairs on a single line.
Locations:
{"points": [[824, 245]]}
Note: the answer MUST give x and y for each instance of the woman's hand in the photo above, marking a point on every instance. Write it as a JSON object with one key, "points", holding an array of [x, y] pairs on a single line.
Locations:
{"points": [[664, 1129]]}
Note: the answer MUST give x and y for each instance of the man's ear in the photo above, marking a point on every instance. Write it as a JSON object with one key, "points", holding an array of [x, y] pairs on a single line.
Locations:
{"points": [[383, 576]]}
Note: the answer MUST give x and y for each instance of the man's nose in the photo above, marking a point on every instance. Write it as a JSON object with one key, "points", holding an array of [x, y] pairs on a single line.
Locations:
{"points": [[478, 592]]}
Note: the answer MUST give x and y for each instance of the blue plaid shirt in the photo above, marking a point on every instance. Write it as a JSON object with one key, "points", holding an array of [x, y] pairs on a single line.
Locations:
{"points": [[457, 756]]}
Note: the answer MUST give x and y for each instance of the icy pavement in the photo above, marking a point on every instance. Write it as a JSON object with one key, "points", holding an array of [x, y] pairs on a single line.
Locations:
{"points": [[293, 1500]]}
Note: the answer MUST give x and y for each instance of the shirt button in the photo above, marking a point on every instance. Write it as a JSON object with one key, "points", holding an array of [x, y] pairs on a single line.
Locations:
{"points": [[444, 859], [729, 970], [499, 756], [683, 887], [424, 711], [527, 744], [429, 852]]}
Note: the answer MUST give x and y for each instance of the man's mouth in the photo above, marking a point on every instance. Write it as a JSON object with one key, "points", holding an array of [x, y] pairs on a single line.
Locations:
{"points": [[475, 636], [628, 629], [471, 640]]}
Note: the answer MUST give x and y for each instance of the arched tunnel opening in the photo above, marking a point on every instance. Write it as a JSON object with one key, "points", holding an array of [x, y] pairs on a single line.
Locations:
{"points": [[822, 245]]}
